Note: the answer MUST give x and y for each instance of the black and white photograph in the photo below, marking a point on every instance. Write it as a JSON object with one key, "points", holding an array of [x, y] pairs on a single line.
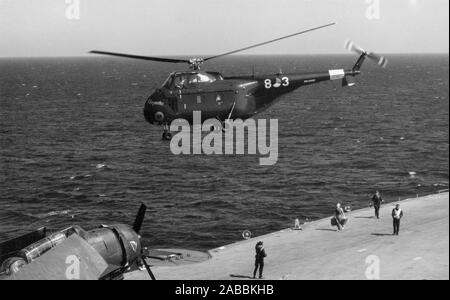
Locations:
{"points": [[224, 147]]}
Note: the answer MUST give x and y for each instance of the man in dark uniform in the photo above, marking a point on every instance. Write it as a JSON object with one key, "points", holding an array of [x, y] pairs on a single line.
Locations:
{"points": [[259, 259], [397, 215], [377, 200]]}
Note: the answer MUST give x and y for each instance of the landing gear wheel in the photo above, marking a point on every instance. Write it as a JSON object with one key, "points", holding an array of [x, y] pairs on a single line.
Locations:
{"points": [[167, 136], [226, 126]]}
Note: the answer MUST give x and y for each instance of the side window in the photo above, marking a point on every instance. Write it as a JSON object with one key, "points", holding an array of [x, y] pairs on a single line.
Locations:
{"points": [[168, 82], [205, 78], [193, 79], [179, 82]]}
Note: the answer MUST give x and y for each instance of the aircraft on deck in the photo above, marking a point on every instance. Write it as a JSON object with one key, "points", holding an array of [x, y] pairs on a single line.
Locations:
{"points": [[105, 253]]}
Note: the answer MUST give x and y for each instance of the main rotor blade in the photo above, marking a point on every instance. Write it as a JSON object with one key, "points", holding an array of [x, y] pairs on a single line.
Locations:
{"points": [[160, 59], [269, 42]]}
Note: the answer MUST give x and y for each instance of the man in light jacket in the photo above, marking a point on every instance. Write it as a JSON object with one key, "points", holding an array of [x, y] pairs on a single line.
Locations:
{"points": [[397, 215]]}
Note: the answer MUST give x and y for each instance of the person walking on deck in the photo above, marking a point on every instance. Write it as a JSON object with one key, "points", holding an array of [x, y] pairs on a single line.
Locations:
{"points": [[377, 200]]}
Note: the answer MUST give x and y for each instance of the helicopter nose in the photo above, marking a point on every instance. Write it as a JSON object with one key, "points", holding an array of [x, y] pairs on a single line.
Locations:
{"points": [[154, 112], [159, 116]]}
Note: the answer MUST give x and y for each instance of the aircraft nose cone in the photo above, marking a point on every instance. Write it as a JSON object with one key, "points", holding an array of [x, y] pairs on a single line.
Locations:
{"points": [[154, 112]]}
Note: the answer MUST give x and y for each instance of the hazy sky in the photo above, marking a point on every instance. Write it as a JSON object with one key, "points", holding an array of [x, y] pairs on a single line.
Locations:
{"points": [[187, 27]]}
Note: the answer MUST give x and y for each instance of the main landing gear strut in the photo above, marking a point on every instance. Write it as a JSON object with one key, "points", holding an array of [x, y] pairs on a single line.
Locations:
{"points": [[167, 135]]}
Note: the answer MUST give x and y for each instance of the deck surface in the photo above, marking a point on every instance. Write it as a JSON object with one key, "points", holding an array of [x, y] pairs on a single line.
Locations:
{"points": [[319, 252]]}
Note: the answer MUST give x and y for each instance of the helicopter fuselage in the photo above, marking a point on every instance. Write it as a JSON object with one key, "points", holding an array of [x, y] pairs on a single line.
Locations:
{"points": [[223, 98]]}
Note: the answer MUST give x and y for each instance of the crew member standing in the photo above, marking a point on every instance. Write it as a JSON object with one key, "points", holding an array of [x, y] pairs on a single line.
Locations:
{"points": [[397, 215], [340, 217], [377, 200], [259, 259]]}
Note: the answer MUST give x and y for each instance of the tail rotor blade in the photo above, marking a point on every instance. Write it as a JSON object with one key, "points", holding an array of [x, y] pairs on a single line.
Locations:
{"points": [[379, 59], [351, 46], [139, 219]]}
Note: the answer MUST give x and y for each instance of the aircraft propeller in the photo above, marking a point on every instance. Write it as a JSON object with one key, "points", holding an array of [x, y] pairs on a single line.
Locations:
{"points": [[137, 226]]}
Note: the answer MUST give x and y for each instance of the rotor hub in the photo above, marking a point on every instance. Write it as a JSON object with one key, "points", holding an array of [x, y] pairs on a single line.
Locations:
{"points": [[195, 63]]}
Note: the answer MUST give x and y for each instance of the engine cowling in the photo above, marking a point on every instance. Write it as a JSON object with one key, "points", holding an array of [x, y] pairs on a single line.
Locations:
{"points": [[119, 245]]}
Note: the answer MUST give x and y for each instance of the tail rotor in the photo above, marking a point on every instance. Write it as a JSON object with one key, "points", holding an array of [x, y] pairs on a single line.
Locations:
{"points": [[378, 59]]}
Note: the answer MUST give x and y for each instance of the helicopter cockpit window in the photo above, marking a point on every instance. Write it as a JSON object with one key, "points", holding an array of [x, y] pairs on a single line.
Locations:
{"points": [[181, 81], [201, 78]]}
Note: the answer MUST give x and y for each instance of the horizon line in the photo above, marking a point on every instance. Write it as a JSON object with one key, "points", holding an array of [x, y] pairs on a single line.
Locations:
{"points": [[87, 55]]}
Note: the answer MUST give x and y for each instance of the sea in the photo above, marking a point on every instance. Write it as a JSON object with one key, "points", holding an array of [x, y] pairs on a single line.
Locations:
{"points": [[75, 148]]}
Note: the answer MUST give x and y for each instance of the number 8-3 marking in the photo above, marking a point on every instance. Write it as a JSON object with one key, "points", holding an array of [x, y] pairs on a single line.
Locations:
{"points": [[284, 82]]}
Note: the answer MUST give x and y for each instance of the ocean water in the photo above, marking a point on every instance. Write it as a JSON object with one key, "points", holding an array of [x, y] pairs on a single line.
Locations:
{"points": [[75, 148]]}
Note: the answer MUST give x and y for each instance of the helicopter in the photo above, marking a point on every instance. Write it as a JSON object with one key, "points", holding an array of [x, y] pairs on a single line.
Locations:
{"points": [[235, 97]]}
